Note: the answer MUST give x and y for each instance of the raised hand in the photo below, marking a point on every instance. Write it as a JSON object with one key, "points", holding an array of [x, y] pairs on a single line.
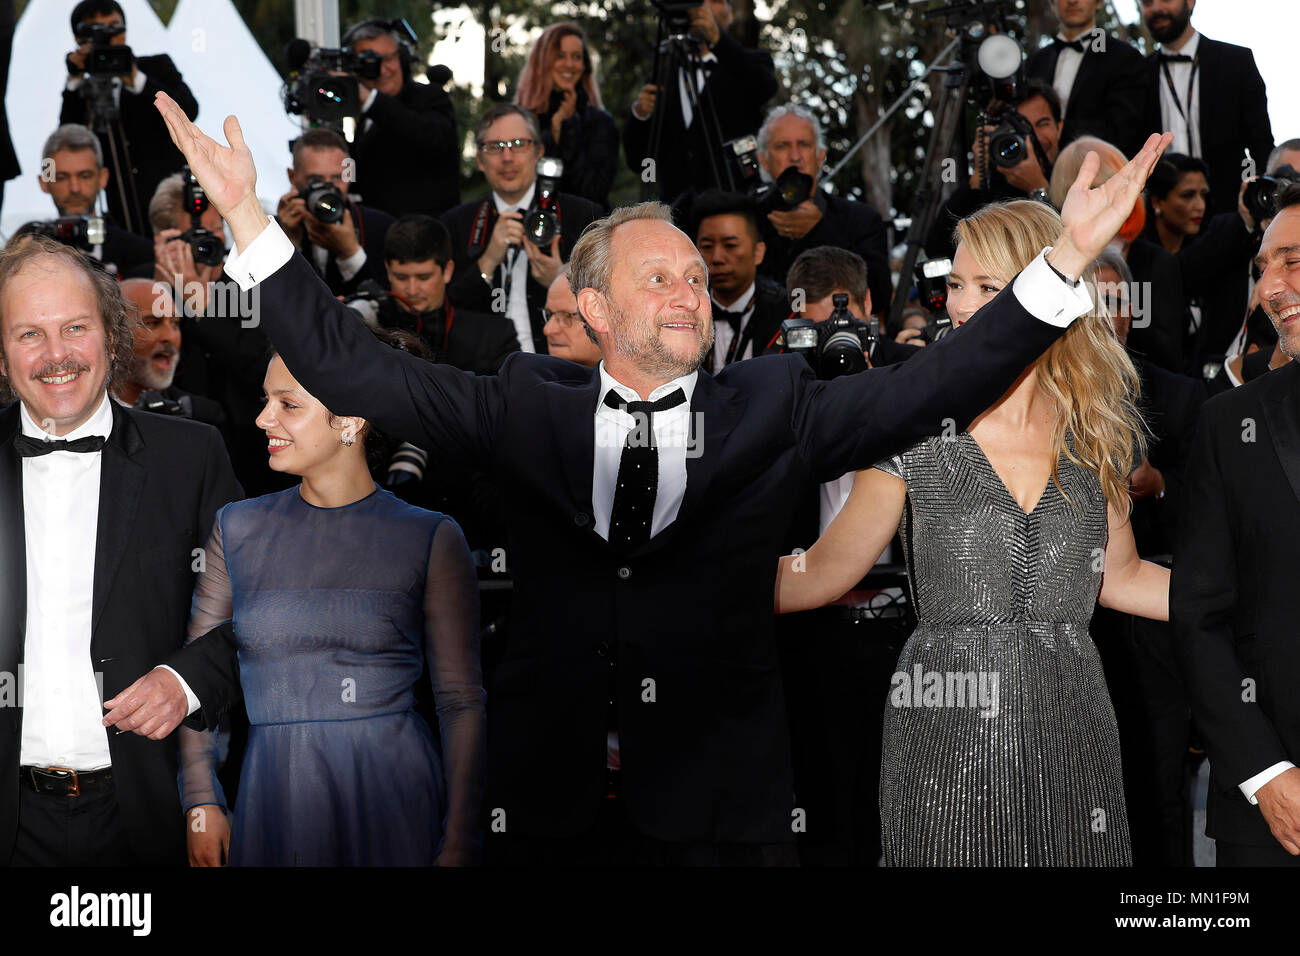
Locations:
{"points": [[226, 173], [1090, 217]]}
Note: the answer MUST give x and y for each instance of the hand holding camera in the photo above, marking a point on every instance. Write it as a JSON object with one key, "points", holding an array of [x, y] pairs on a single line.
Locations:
{"points": [[338, 238], [703, 24], [797, 222]]}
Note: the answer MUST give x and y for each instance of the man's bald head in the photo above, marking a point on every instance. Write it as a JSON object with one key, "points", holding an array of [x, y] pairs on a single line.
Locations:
{"points": [[149, 297]]}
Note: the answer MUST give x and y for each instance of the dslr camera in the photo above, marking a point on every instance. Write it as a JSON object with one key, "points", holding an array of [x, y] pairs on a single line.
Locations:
{"points": [[784, 193], [208, 248], [837, 346], [324, 202], [542, 221], [1261, 194], [80, 232]]}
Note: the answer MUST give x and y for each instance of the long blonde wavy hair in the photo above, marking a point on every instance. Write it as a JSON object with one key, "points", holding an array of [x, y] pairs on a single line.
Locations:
{"points": [[1086, 374]]}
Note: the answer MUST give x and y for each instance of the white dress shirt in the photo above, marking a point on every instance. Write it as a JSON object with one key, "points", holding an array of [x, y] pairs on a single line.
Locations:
{"points": [[348, 267], [1187, 132], [61, 693], [671, 434], [722, 334], [701, 76], [517, 303], [1067, 69]]}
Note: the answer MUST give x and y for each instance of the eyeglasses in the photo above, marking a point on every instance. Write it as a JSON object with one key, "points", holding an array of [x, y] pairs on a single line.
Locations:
{"points": [[563, 319], [501, 145]]}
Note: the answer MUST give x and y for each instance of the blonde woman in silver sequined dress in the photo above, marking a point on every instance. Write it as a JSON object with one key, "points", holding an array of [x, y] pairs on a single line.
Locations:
{"points": [[1000, 745]]}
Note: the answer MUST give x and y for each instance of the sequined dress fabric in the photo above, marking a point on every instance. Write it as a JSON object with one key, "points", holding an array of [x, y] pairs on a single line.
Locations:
{"points": [[1000, 746]]}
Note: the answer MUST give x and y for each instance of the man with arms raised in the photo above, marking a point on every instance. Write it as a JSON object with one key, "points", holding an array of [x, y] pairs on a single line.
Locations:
{"points": [[638, 708]]}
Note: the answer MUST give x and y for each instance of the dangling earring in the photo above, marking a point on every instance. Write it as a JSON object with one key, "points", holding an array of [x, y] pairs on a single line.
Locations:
{"points": [[347, 438]]}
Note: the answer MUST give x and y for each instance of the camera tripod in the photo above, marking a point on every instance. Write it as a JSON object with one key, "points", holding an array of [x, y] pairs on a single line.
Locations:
{"points": [[677, 53], [105, 117]]}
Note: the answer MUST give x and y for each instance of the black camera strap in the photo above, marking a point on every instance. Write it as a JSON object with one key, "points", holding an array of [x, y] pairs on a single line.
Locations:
{"points": [[1178, 104]]}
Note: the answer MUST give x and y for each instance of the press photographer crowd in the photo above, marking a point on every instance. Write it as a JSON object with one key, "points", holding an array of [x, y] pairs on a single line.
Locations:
{"points": [[744, 525]]}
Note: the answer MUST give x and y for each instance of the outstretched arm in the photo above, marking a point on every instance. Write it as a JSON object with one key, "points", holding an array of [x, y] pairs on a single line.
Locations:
{"points": [[326, 347], [851, 545], [856, 420]]}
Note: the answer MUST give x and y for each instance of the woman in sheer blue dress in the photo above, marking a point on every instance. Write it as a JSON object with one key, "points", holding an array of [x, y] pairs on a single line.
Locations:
{"points": [[338, 593]]}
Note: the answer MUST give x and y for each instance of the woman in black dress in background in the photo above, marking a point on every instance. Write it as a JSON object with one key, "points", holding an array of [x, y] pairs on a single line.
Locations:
{"points": [[558, 84]]}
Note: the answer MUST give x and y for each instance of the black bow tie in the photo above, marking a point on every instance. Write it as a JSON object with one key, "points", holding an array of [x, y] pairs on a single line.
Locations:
{"points": [[1174, 57], [671, 400], [30, 447], [1076, 45], [732, 317]]}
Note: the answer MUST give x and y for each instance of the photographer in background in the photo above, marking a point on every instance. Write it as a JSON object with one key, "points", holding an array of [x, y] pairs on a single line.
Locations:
{"points": [[349, 250], [748, 309], [734, 84], [792, 136], [152, 155], [222, 353], [1041, 108], [149, 383], [418, 261], [1101, 80], [79, 176], [406, 147], [836, 660], [497, 269]]}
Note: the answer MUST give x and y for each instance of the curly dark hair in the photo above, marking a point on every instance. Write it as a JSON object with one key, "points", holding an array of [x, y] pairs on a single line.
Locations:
{"points": [[118, 315]]}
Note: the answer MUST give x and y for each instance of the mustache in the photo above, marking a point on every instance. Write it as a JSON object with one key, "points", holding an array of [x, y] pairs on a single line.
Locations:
{"points": [[166, 351], [67, 368]]}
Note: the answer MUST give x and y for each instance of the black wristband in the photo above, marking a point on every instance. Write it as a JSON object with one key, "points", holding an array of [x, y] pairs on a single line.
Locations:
{"points": [[1072, 283]]}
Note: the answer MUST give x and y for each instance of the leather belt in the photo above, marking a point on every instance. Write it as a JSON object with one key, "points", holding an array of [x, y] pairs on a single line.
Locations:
{"points": [[66, 782]]}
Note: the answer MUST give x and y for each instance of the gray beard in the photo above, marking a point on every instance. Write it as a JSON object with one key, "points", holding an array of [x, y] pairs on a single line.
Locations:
{"points": [[651, 355], [144, 375]]}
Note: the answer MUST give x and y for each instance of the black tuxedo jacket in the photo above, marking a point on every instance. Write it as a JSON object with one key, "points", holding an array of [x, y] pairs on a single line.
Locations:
{"points": [[708, 758], [1160, 330], [736, 89], [847, 224], [408, 159], [1108, 98], [1232, 597], [162, 480], [153, 157], [1234, 114], [468, 290], [8, 157]]}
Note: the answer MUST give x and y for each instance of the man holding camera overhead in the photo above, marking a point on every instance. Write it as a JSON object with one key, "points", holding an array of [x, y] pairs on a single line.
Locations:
{"points": [[152, 157], [498, 268], [342, 239]]}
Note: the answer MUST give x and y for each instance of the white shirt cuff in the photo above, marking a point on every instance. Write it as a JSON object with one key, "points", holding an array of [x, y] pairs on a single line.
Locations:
{"points": [[264, 255], [74, 83], [138, 85], [350, 266], [1252, 786], [1046, 297], [365, 107], [190, 698]]}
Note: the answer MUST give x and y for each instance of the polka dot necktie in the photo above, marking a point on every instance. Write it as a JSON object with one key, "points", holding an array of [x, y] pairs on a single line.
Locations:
{"points": [[638, 471]]}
